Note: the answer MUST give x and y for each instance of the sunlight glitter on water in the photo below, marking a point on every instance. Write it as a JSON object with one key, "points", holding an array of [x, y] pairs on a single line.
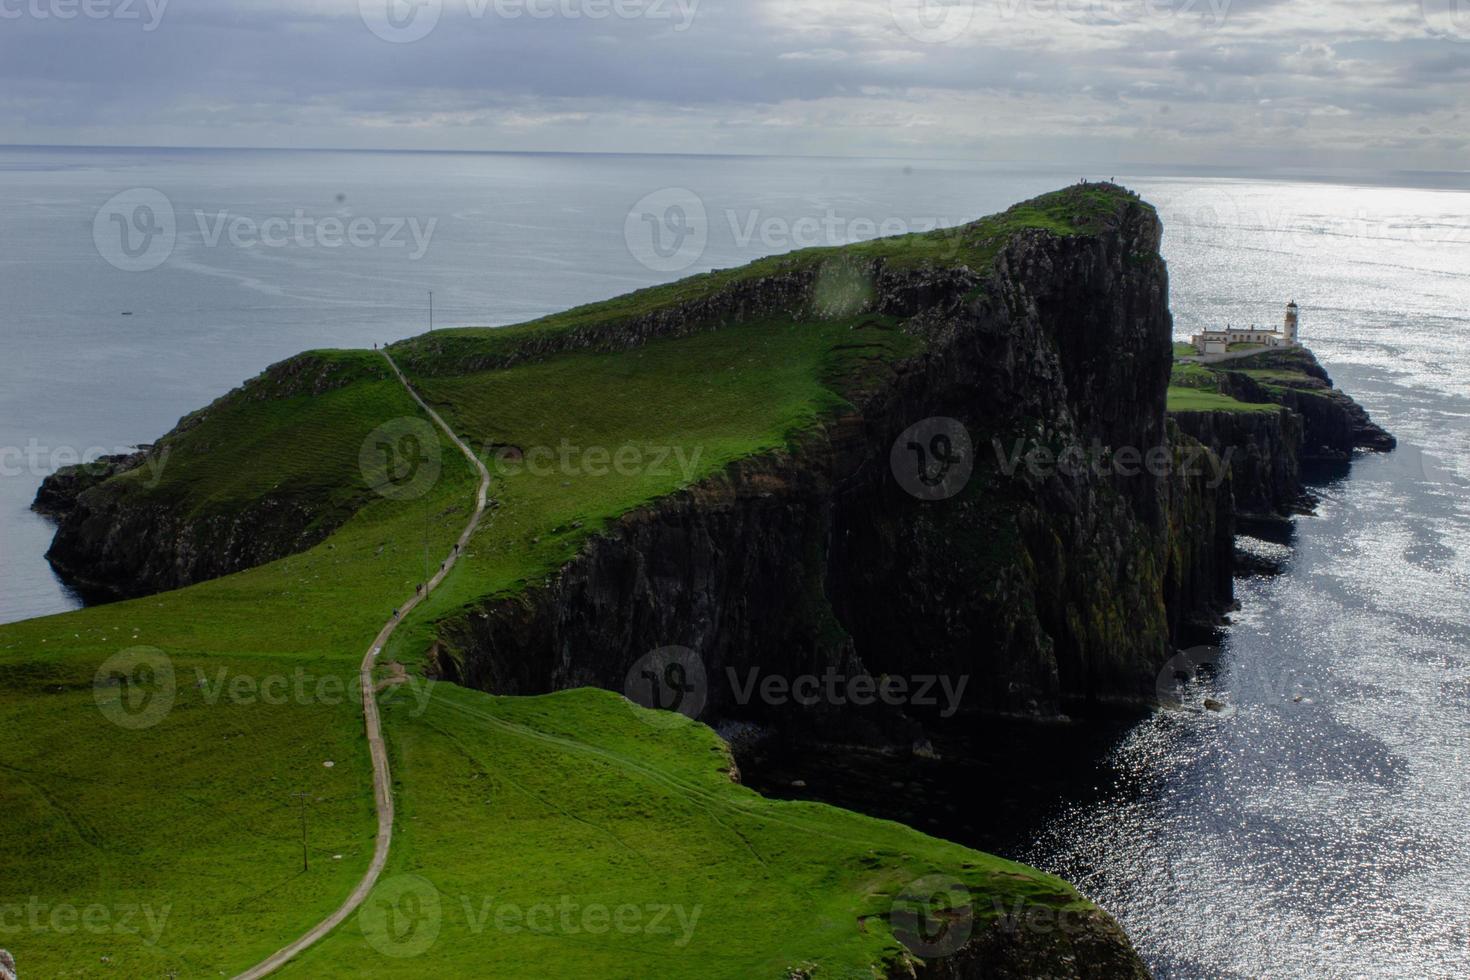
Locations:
{"points": [[1326, 837]]}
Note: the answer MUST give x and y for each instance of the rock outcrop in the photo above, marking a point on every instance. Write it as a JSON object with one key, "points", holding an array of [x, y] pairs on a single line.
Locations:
{"points": [[119, 536], [59, 492], [1263, 450], [1266, 450], [1049, 587], [1334, 426]]}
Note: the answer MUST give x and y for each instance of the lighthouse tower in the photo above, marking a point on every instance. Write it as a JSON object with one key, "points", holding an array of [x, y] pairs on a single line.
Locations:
{"points": [[1289, 335]]}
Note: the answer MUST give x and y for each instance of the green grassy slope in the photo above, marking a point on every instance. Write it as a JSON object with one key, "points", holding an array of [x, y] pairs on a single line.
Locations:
{"points": [[573, 795], [567, 458], [1076, 210], [1196, 388], [196, 813], [576, 835], [293, 434]]}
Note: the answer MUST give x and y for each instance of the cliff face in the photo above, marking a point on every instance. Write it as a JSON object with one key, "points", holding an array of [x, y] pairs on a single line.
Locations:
{"points": [[1264, 454], [114, 546], [1266, 449], [59, 492], [124, 531], [1333, 425], [1199, 580], [1047, 586]]}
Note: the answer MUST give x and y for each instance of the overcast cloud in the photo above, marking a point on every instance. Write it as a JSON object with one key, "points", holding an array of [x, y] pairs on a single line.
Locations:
{"points": [[1375, 83]]}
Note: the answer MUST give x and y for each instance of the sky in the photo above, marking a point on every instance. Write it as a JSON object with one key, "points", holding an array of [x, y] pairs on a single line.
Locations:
{"points": [[1372, 84]]}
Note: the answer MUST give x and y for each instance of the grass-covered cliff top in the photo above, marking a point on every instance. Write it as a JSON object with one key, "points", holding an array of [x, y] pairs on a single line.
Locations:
{"points": [[1196, 387], [839, 271], [502, 803]]}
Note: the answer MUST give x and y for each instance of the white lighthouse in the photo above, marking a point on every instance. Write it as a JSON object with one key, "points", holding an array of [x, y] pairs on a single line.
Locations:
{"points": [[1221, 341]]}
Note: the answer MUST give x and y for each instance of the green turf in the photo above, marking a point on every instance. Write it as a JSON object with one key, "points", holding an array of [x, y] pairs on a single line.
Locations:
{"points": [[1195, 400], [685, 409], [195, 818], [580, 804], [1077, 210], [1196, 388]]}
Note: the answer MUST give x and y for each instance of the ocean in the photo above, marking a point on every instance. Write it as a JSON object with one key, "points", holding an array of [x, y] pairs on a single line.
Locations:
{"points": [[1320, 837]]}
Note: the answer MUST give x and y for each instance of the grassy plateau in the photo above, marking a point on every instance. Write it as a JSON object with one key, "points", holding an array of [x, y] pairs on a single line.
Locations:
{"points": [[184, 781]]}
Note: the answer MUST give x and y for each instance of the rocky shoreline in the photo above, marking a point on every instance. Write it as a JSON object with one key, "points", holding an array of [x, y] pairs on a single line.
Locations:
{"points": [[1055, 591], [1049, 581]]}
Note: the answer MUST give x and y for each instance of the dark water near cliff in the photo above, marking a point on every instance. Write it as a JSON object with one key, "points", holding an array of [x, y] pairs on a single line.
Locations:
{"points": [[1326, 837]]}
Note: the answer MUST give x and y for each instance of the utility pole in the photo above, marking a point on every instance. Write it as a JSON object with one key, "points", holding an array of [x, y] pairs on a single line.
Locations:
{"points": [[431, 311], [305, 865]]}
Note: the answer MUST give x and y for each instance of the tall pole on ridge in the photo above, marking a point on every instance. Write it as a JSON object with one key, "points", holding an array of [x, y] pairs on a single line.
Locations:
{"points": [[431, 311], [305, 865]]}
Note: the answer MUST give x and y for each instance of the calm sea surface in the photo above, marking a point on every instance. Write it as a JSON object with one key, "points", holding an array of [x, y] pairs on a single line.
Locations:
{"points": [[1320, 837]]}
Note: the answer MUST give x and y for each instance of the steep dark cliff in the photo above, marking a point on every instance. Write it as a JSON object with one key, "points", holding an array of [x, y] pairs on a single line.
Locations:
{"points": [[1049, 586], [1264, 454], [1334, 425], [59, 492], [208, 499], [1053, 579], [1266, 449]]}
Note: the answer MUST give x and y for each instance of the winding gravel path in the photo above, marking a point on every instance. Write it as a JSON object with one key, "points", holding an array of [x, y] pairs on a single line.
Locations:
{"points": [[382, 786]]}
